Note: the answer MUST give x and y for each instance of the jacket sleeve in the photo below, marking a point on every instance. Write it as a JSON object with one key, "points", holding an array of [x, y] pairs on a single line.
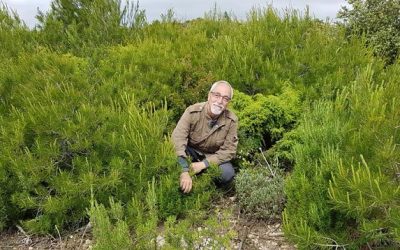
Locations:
{"points": [[180, 134], [228, 150]]}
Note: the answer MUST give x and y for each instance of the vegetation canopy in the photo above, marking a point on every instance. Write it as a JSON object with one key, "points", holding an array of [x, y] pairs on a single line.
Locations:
{"points": [[89, 97]]}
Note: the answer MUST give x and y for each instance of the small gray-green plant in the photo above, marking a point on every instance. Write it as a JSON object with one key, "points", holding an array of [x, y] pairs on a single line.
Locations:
{"points": [[260, 192]]}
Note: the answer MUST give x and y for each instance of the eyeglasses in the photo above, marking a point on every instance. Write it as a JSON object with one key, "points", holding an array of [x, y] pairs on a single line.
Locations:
{"points": [[218, 95]]}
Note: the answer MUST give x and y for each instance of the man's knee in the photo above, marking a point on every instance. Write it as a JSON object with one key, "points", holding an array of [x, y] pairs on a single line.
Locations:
{"points": [[227, 172]]}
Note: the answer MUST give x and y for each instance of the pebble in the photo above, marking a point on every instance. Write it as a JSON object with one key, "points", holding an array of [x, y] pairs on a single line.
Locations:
{"points": [[184, 244], [160, 241], [27, 241], [88, 242], [277, 234]]}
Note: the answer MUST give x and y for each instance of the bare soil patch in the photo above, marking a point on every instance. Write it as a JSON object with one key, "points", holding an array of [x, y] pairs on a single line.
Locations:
{"points": [[80, 239], [253, 233]]}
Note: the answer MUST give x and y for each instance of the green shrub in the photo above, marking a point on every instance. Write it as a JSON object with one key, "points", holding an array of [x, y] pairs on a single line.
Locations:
{"points": [[260, 192], [199, 231], [264, 119], [15, 36], [171, 200], [79, 26], [268, 50], [282, 150], [378, 21], [111, 223], [71, 129], [59, 141], [336, 197], [110, 230]]}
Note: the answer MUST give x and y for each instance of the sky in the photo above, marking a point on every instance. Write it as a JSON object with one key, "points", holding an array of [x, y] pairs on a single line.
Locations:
{"points": [[189, 9]]}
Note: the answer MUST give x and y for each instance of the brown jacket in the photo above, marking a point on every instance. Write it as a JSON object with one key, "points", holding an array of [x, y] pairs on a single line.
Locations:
{"points": [[218, 143]]}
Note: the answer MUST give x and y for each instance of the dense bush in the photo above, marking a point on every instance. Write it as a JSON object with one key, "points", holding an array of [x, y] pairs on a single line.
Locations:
{"points": [[262, 55], [197, 229], [344, 188], [264, 119], [109, 226], [85, 114], [14, 34], [61, 142], [79, 26], [378, 21]]}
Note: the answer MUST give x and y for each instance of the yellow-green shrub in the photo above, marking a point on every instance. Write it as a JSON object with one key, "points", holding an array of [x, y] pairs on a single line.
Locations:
{"points": [[344, 188], [62, 142]]}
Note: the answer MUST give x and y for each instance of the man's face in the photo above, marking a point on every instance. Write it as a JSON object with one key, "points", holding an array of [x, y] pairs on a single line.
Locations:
{"points": [[219, 98]]}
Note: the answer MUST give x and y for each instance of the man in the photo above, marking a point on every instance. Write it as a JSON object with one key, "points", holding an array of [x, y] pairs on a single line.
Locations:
{"points": [[207, 133]]}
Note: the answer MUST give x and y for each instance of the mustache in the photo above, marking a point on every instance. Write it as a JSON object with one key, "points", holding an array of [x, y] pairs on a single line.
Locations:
{"points": [[217, 105]]}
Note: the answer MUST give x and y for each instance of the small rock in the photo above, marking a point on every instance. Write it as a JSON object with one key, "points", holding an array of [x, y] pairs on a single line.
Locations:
{"points": [[277, 234], [160, 241], [184, 244], [27, 241], [87, 244]]}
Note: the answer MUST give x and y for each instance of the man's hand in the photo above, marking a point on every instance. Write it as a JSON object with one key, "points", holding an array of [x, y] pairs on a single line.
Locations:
{"points": [[186, 182], [197, 167]]}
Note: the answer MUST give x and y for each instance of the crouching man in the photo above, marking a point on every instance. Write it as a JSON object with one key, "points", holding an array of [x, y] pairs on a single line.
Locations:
{"points": [[207, 133]]}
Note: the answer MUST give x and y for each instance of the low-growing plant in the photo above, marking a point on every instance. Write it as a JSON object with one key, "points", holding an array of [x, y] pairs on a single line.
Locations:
{"points": [[199, 231], [260, 191], [110, 230]]}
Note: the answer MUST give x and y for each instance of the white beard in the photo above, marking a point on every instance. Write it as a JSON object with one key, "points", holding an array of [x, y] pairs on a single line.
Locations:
{"points": [[216, 109]]}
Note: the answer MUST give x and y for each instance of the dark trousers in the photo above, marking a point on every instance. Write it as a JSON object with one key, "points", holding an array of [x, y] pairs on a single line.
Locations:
{"points": [[227, 170]]}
